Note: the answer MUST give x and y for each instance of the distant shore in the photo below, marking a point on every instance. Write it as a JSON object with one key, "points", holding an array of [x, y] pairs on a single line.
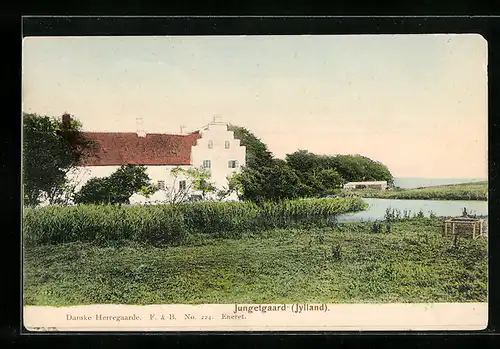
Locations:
{"points": [[477, 191]]}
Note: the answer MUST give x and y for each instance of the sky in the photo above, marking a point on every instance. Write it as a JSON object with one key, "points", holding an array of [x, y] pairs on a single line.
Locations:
{"points": [[417, 103]]}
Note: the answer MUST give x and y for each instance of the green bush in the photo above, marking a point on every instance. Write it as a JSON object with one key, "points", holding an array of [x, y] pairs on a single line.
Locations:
{"points": [[170, 224]]}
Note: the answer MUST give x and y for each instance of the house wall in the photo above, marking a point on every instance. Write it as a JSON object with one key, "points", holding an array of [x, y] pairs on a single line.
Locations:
{"points": [[363, 185], [155, 173], [218, 154]]}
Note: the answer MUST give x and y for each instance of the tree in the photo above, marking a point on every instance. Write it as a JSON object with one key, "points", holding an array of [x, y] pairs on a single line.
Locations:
{"points": [[301, 174], [273, 183], [323, 173], [116, 188], [95, 191], [263, 178], [355, 168], [232, 187], [199, 187], [303, 161], [330, 181], [318, 176], [49, 154], [257, 153], [196, 180], [147, 190]]}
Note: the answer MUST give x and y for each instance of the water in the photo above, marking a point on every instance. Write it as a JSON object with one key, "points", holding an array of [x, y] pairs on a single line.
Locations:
{"points": [[408, 183], [377, 208]]}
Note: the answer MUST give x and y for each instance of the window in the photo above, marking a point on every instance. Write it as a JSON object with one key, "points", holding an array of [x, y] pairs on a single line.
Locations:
{"points": [[161, 185], [210, 144], [231, 164], [227, 144], [182, 185], [206, 163]]}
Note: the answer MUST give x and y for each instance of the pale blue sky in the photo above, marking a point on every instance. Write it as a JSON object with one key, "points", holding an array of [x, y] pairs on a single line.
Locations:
{"points": [[418, 103]]}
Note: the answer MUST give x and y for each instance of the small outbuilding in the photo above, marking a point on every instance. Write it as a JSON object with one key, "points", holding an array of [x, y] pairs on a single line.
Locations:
{"points": [[379, 185]]}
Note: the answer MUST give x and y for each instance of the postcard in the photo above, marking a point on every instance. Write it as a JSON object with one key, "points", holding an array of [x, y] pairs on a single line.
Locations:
{"points": [[255, 183]]}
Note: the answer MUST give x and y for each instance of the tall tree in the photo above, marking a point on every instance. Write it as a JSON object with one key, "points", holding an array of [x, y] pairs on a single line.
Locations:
{"points": [[50, 151], [318, 176], [275, 182], [116, 188], [257, 153], [302, 174], [360, 168], [323, 174]]}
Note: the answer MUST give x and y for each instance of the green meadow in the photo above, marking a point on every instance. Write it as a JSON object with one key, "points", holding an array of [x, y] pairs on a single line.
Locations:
{"points": [[468, 191], [402, 261]]}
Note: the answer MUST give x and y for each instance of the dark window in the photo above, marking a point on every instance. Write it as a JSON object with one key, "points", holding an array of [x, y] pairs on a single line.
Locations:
{"points": [[182, 185], [206, 164], [161, 185], [231, 164]]}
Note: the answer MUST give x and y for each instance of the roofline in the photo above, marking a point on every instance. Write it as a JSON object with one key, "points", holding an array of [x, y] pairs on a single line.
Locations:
{"points": [[135, 133], [79, 165]]}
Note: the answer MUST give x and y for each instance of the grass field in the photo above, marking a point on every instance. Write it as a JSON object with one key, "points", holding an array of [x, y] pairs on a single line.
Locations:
{"points": [[468, 191], [347, 263]]}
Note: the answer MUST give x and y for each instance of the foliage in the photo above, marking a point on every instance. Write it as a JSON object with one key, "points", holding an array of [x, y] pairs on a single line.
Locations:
{"points": [[232, 187], [349, 264], [106, 223], [195, 179], [271, 183], [199, 187], [342, 168], [49, 154], [116, 188], [263, 178], [376, 227], [355, 168], [147, 190], [302, 174], [257, 153], [201, 183]]}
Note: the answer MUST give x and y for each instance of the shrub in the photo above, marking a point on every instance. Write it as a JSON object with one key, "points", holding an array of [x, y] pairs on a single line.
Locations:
{"points": [[376, 227], [337, 252]]}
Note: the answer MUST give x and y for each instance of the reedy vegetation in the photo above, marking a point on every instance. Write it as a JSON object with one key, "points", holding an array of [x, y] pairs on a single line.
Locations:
{"points": [[171, 224]]}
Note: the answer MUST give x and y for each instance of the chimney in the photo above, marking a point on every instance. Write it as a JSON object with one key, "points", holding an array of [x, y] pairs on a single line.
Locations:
{"points": [[66, 121], [217, 124], [140, 128], [216, 119]]}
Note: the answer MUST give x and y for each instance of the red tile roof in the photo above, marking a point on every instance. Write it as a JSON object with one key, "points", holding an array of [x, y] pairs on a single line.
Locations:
{"points": [[115, 149]]}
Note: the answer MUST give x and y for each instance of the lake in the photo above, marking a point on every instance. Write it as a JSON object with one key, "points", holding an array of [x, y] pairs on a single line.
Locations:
{"points": [[378, 207]]}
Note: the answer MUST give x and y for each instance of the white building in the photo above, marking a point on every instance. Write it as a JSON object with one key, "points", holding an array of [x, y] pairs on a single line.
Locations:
{"points": [[381, 185], [212, 148]]}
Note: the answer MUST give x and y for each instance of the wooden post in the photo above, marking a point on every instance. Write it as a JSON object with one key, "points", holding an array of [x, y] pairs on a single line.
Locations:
{"points": [[445, 229], [474, 230], [453, 228]]}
